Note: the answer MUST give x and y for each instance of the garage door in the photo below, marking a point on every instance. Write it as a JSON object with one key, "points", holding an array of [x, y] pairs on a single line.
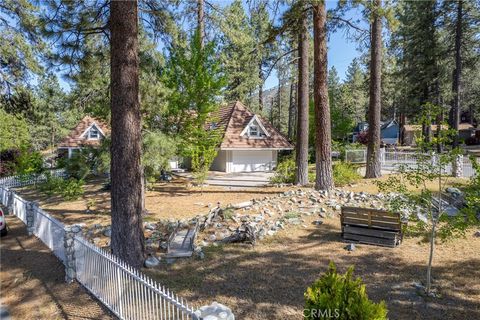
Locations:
{"points": [[249, 161]]}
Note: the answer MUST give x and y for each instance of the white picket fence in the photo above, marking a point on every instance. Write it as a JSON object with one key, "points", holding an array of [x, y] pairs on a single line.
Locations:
{"points": [[26, 180], [392, 160], [127, 292]]}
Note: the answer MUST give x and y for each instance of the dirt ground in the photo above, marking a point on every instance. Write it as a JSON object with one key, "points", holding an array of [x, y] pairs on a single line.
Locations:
{"points": [[268, 281], [32, 281], [176, 199]]}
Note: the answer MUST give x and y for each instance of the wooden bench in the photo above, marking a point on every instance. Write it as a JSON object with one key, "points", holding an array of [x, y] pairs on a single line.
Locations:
{"points": [[371, 226]]}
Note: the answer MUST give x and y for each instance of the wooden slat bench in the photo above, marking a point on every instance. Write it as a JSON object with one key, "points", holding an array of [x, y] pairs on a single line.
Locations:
{"points": [[371, 226]]}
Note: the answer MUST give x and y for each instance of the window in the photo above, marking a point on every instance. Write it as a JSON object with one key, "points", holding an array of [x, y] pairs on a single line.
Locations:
{"points": [[93, 134], [253, 131]]}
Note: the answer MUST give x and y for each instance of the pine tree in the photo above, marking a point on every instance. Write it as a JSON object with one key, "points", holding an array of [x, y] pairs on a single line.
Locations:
{"points": [[323, 138], [374, 111], [301, 177], [126, 170]]}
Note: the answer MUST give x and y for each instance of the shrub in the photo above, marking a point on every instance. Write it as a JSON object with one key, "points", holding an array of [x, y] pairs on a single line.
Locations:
{"points": [[70, 189], [29, 163], [340, 296], [344, 173], [285, 171]]}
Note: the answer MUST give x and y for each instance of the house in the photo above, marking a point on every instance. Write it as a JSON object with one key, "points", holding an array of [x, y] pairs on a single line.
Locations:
{"points": [[389, 131], [89, 132], [250, 143], [411, 132]]}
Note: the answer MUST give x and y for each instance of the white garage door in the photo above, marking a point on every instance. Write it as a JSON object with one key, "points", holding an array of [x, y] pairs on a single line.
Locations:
{"points": [[248, 161]]}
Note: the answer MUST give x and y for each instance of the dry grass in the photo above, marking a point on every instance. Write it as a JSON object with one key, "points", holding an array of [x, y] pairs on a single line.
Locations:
{"points": [[267, 281], [176, 199]]}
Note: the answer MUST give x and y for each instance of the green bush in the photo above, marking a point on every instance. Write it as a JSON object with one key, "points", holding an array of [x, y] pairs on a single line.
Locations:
{"points": [[29, 163], [339, 296], [285, 171], [69, 189], [344, 173]]}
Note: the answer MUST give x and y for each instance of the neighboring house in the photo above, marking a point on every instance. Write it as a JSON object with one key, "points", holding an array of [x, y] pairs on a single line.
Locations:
{"points": [[89, 132], [389, 131], [250, 143], [411, 132]]}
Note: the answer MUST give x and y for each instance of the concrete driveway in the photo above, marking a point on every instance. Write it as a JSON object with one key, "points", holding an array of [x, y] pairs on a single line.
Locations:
{"points": [[239, 179]]}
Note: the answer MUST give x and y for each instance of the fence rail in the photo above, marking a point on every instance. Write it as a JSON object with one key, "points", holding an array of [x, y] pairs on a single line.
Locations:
{"points": [[392, 160], [25, 180], [127, 292]]}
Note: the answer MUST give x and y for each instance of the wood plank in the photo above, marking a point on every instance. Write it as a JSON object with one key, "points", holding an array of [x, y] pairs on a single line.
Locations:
{"points": [[375, 224], [366, 217], [371, 232], [370, 240]]}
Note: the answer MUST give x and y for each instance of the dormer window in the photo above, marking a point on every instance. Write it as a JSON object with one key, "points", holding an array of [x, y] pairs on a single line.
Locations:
{"points": [[93, 133], [255, 129]]}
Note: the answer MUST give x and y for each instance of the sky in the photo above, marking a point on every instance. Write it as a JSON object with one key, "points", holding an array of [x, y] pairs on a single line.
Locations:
{"points": [[341, 51]]}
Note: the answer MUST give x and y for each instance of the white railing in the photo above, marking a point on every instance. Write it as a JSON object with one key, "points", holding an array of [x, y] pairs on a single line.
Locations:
{"points": [[356, 155], [128, 293], [19, 207], [25, 180], [50, 231], [392, 160]]}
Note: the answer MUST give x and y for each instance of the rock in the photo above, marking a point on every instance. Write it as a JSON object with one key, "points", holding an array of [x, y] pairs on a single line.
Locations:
{"points": [[271, 232], [455, 192], [150, 226], [317, 222], [215, 311], [151, 262], [107, 232], [242, 205], [350, 247], [76, 228], [477, 234], [338, 207], [212, 237]]}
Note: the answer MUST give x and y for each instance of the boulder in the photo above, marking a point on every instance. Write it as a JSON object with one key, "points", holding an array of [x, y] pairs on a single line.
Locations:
{"points": [[151, 262]]}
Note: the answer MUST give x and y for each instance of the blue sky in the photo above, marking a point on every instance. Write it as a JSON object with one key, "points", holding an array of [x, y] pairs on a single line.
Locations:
{"points": [[341, 51]]}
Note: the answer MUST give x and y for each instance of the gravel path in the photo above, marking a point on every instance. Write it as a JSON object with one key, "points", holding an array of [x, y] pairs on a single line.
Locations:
{"points": [[32, 282]]}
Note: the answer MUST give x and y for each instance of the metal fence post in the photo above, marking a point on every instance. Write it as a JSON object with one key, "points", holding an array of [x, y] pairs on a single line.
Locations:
{"points": [[69, 244], [457, 166]]}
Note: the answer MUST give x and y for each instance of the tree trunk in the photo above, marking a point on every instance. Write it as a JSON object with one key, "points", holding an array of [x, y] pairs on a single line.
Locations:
{"points": [[291, 112], [260, 88], [323, 134], [126, 170], [457, 73], [301, 177], [279, 101], [375, 107], [201, 21]]}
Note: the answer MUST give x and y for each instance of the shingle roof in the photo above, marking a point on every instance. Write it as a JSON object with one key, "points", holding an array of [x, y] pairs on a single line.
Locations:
{"points": [[234, 117], [75, 139]]}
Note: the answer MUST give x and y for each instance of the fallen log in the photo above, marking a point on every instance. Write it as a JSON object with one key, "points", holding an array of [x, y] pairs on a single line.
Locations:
{"points": [[245, 233], [212, 214]]}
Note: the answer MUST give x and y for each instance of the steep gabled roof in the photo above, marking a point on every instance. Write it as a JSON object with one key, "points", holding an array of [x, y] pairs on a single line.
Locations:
{"points": [[235, 117], [77, 138]]}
